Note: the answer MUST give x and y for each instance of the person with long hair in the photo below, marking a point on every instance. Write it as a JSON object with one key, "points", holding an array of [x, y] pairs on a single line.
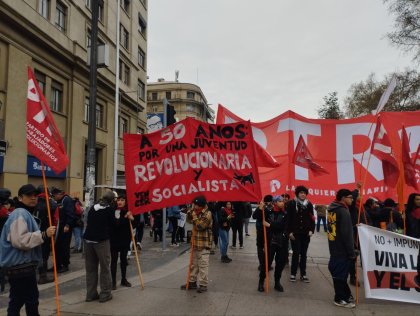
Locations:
{"points": [[120, 241], [412, 215]]}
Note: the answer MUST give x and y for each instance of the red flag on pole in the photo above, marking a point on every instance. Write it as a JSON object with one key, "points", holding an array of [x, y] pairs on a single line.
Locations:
{"points": [[381, 148], [303, 158], [409, 166], [42, 136], [416, 161]]}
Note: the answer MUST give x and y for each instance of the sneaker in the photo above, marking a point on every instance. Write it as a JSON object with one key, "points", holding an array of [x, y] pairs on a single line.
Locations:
{"points": [[233, 246], [343, 303], [202, 289], [290, 252], [247, 234], [292, 278], [305, 279], [351, 299], [175, 245], [105, 298], [278, 287], [241, 247], [191, 286], [139, 247]]}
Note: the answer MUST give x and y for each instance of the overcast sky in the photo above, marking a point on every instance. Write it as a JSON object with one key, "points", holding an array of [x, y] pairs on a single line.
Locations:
{"points": [[261, 58]]}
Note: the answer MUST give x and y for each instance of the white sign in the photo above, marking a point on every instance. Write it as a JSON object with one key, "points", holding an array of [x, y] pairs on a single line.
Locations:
{"points": [[182, 220], [389, 264]]}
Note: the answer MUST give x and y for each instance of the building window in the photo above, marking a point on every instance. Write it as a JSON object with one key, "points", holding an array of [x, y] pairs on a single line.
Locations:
{"points": [[60, 16], [124, 36], [125, 4], [100, 114], [142, 25], [141, 89], [154, 108], [190, 107], [123, 126], [190, 95], [142, 58], [56, 103], [154, 96], [40, 77], [124, 73], [44, 8], [168, 95], [100, 11]]}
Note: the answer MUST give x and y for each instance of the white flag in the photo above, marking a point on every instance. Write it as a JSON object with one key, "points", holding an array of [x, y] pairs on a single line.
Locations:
{"points": [[385, 96]]}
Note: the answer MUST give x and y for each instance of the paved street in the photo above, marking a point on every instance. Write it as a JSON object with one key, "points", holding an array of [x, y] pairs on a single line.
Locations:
{"points": [[232, 288]]}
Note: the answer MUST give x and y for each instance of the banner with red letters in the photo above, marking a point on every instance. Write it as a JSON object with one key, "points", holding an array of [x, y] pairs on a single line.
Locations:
{"points": [[190, 158], [336, 145], [389, 264]]}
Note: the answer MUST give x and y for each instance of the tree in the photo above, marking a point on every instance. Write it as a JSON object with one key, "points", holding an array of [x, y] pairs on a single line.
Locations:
{"points": [[330, 109], [407, 24], [363, 97]]}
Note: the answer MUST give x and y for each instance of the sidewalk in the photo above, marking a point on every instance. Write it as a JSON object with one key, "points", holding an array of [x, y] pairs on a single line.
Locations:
{"points": [[232, 291]]}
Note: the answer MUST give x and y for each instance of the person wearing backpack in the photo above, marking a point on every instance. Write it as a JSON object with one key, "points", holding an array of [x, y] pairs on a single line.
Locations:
{"points": [[66, 223]]}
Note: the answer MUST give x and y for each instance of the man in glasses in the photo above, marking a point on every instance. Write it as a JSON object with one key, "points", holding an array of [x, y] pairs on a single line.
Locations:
{"points": [[341, 245]]}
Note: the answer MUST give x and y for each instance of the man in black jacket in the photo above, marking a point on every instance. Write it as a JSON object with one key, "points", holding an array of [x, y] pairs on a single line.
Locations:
{"points": [[265, 206], [301, 227], [66, 222], [341, 245]]}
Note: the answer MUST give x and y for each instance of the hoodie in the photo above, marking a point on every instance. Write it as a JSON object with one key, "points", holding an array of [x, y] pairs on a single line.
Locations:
{"points": [[340, 231]]}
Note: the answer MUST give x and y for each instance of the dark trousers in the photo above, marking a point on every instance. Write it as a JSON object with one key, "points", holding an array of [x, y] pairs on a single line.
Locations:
{"points": [[46, 248], [318, 223], [62, 247], [181, 234], [23, 291], [123, 264], [174, 222], [339, 269], [300, 248], [238, 228], [352, 269], [281, 255], [140, 232], [261, 251]]}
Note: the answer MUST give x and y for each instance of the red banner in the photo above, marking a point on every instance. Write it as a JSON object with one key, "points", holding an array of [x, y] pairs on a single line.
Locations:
{"points": [[42, 136], [190, 158], [337, 145]]}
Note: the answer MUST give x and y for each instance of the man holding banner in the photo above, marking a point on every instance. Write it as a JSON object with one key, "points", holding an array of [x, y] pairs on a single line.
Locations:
{"points": [[341, 245]]}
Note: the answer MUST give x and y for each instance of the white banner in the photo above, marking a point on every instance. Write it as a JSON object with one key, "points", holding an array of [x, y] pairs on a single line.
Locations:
{"points": [[389, 264]]}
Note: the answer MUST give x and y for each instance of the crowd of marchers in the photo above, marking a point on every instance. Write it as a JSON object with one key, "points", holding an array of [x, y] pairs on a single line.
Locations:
{"points": [[283, 225]]}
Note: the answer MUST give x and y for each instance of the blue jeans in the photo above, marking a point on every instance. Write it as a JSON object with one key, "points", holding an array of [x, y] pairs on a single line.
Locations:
{"points": [[318, 223], [224, 241], [77, 233]]}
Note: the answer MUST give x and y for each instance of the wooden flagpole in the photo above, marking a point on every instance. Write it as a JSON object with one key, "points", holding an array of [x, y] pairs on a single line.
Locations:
{"points": [[191, 259], [47, 199], [136, 255]]}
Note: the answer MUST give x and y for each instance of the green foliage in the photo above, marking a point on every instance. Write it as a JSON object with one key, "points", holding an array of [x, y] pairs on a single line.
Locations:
{"points": [[330, 109], [363, 97]]}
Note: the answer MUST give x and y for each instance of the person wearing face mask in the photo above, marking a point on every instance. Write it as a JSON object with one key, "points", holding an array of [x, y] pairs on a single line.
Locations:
{"points": [[120, 241], [300, 230], [21, 253], [279, 240]]}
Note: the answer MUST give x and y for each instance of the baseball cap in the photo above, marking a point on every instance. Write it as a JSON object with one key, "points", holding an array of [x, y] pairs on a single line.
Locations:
{"points": [[27, 189], [200, 201]]}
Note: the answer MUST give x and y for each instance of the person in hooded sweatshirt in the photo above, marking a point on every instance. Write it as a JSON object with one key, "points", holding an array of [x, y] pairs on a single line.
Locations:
{"points": [[100, 222], [301, 227], [341, 245]]}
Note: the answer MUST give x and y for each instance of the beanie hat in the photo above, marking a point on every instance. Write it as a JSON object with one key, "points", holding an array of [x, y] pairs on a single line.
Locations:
{"points": [[342, 193], [278, 198], [301, 188], [268, 198], [200, 201]]}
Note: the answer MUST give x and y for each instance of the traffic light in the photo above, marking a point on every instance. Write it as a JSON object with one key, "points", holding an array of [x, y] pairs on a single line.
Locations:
{"points": [[170, 113]]}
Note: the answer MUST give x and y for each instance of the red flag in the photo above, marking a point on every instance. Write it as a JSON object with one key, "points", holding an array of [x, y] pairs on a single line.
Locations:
{"points": [[409, 166], [416, 161], [42, 136], [263, 157], [303, 158], [381, 148]]}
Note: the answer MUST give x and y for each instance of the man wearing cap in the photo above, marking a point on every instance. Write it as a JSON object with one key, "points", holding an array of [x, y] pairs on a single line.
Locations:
{"points": [[301, 227], [200, 217], [266, 206], [66, 221], [20, 252], [341, 245], [279, 240]]}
